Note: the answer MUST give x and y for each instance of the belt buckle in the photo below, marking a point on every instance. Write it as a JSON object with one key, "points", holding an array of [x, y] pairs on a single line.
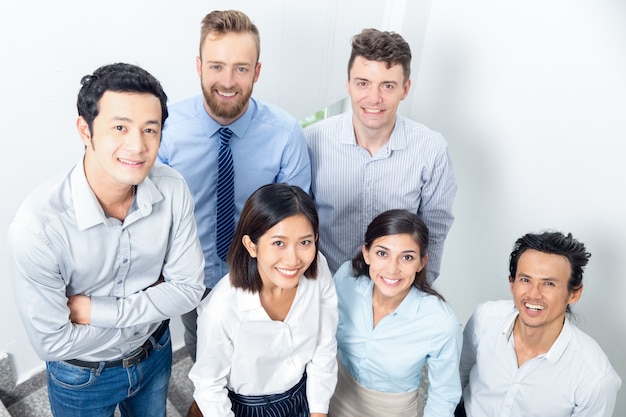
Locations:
{"points": [[135, 359]]}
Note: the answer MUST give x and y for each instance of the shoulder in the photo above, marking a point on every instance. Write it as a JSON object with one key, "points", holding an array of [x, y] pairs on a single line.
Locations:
{"points": [[588, 353], [417, 130], [493, 315], [162, 173], [221, 299], [319, 129], [47, 199], [273, 115], [344, 275]]}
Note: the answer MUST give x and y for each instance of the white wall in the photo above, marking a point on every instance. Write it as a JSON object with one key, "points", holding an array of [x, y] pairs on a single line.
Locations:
{"points": [[531, 98]]}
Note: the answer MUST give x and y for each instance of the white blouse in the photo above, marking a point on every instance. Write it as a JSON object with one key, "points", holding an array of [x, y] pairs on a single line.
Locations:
{"points": [[242, 349]]}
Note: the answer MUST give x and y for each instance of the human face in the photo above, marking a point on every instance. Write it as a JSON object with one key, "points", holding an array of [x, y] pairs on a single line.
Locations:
{"points": [[284, 252], [228, 69], [393, 261], [376, 92], [540, 289], [124, 141]]}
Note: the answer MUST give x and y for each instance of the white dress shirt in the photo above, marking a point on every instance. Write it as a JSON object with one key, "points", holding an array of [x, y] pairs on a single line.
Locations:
{"points": [[242, 349], [574, 378]]}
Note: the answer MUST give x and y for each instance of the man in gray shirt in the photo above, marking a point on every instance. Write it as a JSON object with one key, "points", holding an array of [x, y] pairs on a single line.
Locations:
{"points": [[103, 255]]}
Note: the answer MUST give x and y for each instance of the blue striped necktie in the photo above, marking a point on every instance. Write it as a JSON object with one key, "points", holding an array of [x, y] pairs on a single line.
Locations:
{"points": [[225, 195]]}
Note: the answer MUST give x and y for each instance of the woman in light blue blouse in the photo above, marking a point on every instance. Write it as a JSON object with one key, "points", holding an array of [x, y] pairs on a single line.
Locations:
{"points": [[392, 323]]}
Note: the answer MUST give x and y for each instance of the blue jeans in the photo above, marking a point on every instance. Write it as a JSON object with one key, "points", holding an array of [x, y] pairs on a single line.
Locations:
{"points": [[140, 390]]}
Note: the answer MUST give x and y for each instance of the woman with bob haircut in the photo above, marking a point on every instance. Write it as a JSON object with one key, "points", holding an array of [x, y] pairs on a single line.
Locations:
{"points": [[266, 332], [391, 324]]}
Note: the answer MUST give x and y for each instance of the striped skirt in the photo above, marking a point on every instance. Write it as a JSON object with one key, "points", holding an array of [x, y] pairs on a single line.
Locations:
{"points": [[291, 403], [352, 399]]}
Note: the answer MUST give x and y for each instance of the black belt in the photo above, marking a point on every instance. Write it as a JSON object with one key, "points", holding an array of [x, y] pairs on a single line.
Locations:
{"points": [[142, 353]]}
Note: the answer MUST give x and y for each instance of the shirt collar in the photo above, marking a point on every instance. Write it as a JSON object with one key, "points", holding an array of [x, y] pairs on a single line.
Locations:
{"points": [[558, 347], [89, 213], [398, 139]]}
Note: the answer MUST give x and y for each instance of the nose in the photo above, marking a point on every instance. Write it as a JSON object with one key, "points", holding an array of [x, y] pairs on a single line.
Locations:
{"points": [[375, 96], [290, 256], [535, 290], [228, 78], [135, 140], [394, 265]]}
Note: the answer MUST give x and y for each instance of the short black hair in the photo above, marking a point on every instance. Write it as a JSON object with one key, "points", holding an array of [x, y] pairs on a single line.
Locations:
{"points": [[117, 77]]}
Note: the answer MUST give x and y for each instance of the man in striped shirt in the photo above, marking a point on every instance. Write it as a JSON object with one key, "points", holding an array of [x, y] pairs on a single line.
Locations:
{"points": [[372, 159]]}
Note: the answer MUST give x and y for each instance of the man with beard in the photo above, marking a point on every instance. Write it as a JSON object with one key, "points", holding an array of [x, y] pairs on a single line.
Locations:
{"points": [[260, 143]]}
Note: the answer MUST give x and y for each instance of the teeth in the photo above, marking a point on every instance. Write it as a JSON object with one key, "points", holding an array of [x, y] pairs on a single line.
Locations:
{"points": [[290, 272], [127, 162], [226, 94], [533, 306], [372, 110], [390, 281]]}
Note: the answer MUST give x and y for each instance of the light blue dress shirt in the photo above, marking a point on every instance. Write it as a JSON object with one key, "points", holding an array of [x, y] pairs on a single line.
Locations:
{"points": [[267, 145], [390, 356], [413, 171]]}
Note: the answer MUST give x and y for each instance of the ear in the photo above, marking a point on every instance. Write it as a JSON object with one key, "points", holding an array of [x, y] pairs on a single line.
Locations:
{"points": [[574, 296], [83, 130], [249, 245], [199, 66], [511, 282], [407, 87], [366, 254], [257, 71], [348, 86], [423, 262]]}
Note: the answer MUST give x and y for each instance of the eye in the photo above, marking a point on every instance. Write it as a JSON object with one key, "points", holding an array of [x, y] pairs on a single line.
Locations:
{"points": [[242, 69], [408, 257], [215, 67], [388, 86], [361, 84], [381, 253], [549, 284], [119, 128], [278, 243], [523, 279], [306, 242], [151, 131]]}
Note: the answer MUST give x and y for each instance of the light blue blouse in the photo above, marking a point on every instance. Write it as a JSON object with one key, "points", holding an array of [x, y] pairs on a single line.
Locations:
{"points": [[390, 356]]}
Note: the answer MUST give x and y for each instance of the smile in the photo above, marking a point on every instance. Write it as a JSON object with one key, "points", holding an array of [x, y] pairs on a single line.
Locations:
{"points": [[533, 306], [372, 111], [224, 94], [128, 162], [389, 281], [288, 272]]}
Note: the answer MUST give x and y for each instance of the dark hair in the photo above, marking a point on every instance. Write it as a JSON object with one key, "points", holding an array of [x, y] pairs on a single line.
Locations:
{"points": [[395, 222], [222, 22], [388, 47], [265, 208], [118, 77], [555, 243]]}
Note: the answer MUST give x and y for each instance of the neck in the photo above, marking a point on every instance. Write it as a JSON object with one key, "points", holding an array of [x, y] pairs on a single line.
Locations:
{"points": [[382, 306], [371, 139], [534, 341]]}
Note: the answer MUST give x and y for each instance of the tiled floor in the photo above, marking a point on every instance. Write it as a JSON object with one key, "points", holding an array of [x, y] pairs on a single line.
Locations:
{"points": [[30, 399]]}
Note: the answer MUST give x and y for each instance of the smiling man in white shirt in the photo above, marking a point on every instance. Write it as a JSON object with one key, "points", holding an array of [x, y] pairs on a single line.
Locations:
{"points": [[525, 357]]}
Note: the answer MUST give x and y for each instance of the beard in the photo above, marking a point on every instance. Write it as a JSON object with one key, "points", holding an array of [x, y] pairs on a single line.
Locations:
{"points": [[226, 110]]}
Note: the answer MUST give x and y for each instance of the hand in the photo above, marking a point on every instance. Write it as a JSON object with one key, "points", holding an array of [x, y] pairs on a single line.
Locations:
{"points": [[161, 280], [80, 309]]}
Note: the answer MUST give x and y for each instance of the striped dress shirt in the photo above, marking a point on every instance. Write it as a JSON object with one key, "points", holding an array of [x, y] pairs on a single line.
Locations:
{"points": [[413, 171]]}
